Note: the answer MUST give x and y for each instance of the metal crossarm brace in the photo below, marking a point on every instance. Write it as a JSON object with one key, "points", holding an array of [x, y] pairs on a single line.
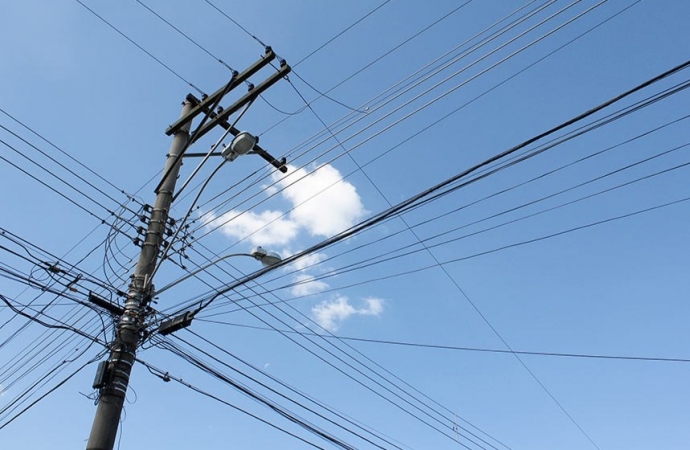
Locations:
{"points": [[278, 164], [236, 80], [249, 96]]}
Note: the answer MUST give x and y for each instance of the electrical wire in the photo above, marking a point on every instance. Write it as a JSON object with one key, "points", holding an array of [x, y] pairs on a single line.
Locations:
{"points": [[149, 54], [466, 349]]}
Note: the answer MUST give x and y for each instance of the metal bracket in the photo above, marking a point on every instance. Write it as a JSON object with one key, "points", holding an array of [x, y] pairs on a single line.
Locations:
{"points": [[235, 81], [278, 164]]}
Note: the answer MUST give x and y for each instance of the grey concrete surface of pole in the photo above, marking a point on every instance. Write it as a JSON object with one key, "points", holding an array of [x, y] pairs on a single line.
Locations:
{"points": [[130, 328]]}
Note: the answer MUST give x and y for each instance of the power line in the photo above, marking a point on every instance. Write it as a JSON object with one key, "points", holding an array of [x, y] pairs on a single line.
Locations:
{"points": [[168, 68], [466, 349]]}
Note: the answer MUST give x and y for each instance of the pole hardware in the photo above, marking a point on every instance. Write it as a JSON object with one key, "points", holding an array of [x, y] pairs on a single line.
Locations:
{"points": [[176, 323], [278, 164], [112, 376], [105, 304], [235, 81], [246, 98]]}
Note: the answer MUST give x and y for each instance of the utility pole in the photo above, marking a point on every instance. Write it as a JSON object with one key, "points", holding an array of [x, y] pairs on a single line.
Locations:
{"points": [[123, 352], [112, 377]]}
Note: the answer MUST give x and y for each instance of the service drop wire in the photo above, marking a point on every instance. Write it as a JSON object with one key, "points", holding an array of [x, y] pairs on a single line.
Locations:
{"points": [[439, 97], [406, 204], [201, 190], [401, 82], [547, 146]]}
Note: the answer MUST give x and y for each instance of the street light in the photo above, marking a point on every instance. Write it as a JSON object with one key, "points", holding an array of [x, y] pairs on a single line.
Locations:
{"points": [[184, 320], [266, 258], [242, 144]]}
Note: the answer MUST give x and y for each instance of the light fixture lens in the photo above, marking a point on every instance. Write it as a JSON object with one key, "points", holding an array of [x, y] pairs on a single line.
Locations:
{"points": [[243, 143], [266, 258], [271, 259]]}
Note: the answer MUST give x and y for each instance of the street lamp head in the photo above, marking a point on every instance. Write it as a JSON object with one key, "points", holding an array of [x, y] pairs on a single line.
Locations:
{"points": [[268, 259], [242, 144]]}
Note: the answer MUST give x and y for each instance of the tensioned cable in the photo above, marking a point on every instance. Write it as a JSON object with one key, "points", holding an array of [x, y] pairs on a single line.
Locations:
{"points": [[466, 349], [60, 179], [201, 47], [349, 365], [314, 334], [167, 67], [286, 397], [627, 167], [515, 23], [297, 311], [337, 358], [601, 106], [497, 85], [72, 158], [53, 389], [414, 36], [165, 374], [404, 86], [407, 116], [390, 255], [261, 399], [385, 92], [432, 190], [70, 200], [79, 177], [370, 369], [353, 378], [381, 5], [478, 254]]}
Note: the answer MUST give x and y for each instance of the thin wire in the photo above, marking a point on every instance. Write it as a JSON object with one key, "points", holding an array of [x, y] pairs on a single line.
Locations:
{"points": [[168, 68], [266, 402], [397, 122], [185, 35], [43, 138], [460, 348], [430, 191], [385, 2]]}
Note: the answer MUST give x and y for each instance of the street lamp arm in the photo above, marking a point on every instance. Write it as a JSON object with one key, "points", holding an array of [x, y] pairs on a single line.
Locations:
{"points": [[266, 258], [201, 269]]}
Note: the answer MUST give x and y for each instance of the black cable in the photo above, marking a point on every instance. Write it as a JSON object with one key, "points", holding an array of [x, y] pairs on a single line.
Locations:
{"points": [[79, 177], [44, 139], [275, 391], [388, 256], [466, 349], [185, 35], [475, 47], [75, 203], [363, 374], [310, 427], [108, 210], [313, 52], [397, 122], [390, 212], [168, 68], [56, 387]]}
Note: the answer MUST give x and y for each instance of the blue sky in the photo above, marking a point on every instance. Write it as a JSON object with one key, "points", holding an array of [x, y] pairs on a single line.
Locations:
{"points": [[580, 249]]}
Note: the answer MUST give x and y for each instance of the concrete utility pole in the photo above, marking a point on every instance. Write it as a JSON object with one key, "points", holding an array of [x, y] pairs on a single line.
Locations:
{"points": [[112, 377], [129, 330]]}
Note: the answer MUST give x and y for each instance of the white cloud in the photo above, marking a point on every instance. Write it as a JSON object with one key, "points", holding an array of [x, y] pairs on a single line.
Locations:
{"points": [[268, 227], [307, 286], [374, 307], [319, 201], [323, 203], [330, 314]]}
